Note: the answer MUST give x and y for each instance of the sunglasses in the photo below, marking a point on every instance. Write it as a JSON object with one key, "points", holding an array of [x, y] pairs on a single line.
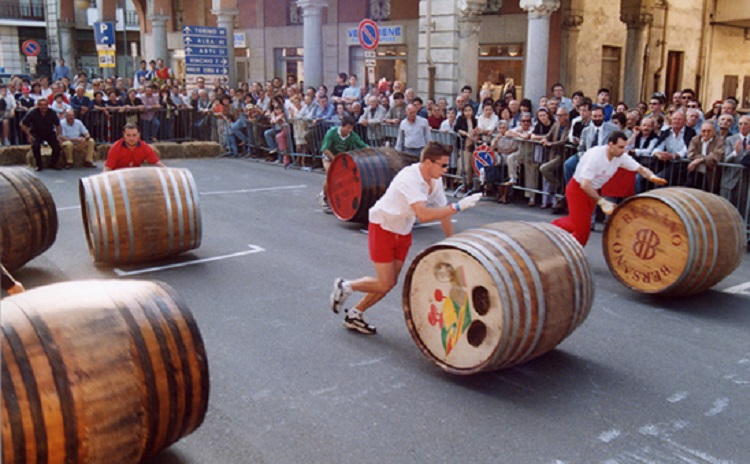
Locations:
{"points": [[692, 106], [442, 165]]}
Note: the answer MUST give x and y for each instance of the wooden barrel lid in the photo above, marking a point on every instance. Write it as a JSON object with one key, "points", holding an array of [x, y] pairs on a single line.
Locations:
{"points": [[646, 244], [463, 329], [344, 186]]}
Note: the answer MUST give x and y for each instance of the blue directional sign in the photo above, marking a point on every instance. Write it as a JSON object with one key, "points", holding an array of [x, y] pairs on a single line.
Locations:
{"points": [[206, 51], [210, 41], [205, 61], [104, 35], [204, 31]]}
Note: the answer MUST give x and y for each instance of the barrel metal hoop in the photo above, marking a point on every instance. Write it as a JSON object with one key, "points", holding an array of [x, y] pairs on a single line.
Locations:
{"points": [[10, 399], [196, 208], [90, 208], [190, 207], [178, 202], [539, 289], [168, 204], [128, 214], [577, 266], [714, 235], [503, 282], [113, 217], [103, 224], [30, 386]]}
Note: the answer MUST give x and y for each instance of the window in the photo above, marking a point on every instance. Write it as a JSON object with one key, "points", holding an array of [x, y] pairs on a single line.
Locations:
{"points": [[288, 61], [501, 64], [390, 62]]}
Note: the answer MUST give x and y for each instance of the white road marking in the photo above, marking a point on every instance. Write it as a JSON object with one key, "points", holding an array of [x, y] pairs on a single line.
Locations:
{"points": [[609, 435], [741, 288], [720, 404], [267, 189], [677, 397], [68, 208], [253, 249], [366, 362]]}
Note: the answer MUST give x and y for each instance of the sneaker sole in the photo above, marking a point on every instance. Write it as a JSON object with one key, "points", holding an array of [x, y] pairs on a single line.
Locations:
{"points": [[359, 329]]}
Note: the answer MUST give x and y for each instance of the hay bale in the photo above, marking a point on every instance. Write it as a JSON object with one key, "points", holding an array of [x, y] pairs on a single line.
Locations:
{"points": [[169, 150], [202, 149], [15, 154]]}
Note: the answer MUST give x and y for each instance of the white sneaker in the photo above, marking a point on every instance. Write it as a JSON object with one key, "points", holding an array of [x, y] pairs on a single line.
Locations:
{"points": [[359, 324], [338, 295]]}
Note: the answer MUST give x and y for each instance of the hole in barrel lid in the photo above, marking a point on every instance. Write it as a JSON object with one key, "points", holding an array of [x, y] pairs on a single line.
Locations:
{"points": [[477, 333], [480, 298]]}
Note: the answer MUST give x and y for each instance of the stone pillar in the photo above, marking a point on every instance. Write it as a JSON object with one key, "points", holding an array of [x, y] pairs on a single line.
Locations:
{"points": [[312, 20], [225, 19], [636, 23], [571, 21], [158, 48], [67, 45], [537, 47], [469, 23]]}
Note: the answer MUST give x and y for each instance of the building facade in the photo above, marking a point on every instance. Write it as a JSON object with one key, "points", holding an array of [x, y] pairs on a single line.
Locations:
{"points": [[632, 47]]}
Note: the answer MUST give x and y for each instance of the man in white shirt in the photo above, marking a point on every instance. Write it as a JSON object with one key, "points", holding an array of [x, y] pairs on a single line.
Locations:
{"points": [[413, 132], [74, 134], [391, 221], [353, 92], [594, 170], [673, 146]]}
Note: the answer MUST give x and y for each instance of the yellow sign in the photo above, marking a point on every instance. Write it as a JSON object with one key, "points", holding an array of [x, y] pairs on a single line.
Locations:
{"points": [[106, 59]]}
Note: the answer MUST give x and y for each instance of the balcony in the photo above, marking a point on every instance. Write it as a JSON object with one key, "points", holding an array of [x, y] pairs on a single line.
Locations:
{"points": [[732, 13], [24, 11]]}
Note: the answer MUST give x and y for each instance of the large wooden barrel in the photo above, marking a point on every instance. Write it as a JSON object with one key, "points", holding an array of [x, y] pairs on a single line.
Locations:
{"points": [[673, 241], [142, 214], [28, 217], [357, 179], [99, 372], [497, 296]]}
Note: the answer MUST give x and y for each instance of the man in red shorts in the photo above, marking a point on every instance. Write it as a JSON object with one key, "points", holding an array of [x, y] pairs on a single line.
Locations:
{"points": [[389, 233], [130, 151]]}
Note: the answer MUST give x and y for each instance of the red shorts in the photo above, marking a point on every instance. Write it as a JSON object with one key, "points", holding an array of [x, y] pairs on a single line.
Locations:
{"points": [[386, 246]]}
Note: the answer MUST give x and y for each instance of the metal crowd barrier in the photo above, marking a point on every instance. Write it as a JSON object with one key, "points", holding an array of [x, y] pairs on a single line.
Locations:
{"points": [[162, 124]]}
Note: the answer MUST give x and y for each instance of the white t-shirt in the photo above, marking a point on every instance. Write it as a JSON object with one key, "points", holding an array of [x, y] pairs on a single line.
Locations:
{"points": [[393, 211], [595, 166], [488, 124]]}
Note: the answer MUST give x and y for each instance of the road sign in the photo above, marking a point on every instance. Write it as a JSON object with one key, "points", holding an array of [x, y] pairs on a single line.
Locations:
{"points": [[205, 51], [370, 54], [210, 41], [206, 61], [208, 70], [32, 59], [369, 34], [104, 34], [369, 63], [106, 59], [204, 31], [30, 48]]}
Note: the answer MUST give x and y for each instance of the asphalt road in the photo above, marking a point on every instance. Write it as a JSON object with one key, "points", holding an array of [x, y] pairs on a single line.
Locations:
{"points": [[643, 380]]}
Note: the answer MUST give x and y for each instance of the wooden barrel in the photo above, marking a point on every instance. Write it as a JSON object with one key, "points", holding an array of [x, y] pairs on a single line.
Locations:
{"points": [[673, 241], [139, 215], [497, 296], [28, 217], [99, 372], [357, 179]]}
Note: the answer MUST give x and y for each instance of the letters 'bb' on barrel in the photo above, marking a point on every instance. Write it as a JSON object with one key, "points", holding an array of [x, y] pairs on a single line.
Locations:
{"points": [[28, 217], [497, 296], [357, 179], [99, 372], [141, 214], [673, 241]]}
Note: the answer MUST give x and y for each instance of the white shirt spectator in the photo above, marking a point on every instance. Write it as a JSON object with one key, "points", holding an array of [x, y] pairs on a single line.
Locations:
{"points": [[75, 130], [488, 124], [674, 143], [446, 125], [413, 135]]}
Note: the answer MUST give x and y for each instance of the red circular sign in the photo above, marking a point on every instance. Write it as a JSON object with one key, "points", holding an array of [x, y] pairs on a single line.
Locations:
{"points": [[369, 34], [31, 48]]}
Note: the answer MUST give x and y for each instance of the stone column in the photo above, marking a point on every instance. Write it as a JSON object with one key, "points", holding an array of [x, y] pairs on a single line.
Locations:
{"points": [[537, 47], [67, 45], [572, 21], [312, 20], [469, 23], [158, 47], [636, 23], [225, 19]]}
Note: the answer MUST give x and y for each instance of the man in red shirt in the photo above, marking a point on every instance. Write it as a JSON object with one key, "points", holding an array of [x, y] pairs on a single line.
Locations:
{"points": [[130, 151]]}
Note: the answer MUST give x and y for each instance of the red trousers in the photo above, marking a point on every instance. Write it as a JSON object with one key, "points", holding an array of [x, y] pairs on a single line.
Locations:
{"points": [[580, 207]]}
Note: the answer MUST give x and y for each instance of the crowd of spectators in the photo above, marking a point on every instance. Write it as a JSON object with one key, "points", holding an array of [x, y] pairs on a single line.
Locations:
{"points": [[537, 143]]}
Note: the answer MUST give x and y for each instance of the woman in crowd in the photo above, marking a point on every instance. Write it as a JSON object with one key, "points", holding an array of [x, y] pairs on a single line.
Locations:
{"points": [[539, 133], [466, 128]]}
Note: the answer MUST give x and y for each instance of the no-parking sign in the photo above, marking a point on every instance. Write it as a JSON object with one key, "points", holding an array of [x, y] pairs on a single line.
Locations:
{"points": [[369, 34], [30, 48]]}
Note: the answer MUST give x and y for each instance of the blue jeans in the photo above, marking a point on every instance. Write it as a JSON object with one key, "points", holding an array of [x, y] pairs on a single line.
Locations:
{"points": [[270, 136], [239, 129], [150, 128]]}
